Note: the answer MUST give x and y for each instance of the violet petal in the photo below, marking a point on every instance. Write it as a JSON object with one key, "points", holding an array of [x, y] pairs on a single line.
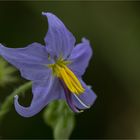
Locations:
{"points": [[86, 99], [43, 93], [30, 60], [59, 40], [80, 57]]}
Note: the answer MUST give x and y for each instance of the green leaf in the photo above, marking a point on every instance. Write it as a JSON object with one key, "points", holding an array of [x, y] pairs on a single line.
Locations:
{"points": [[6, 73], [60, 118]]}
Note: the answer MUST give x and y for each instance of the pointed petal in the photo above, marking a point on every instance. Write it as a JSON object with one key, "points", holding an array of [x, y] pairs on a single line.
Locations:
{"points": [[29, 60], [43, 93], [59, 40], [86, 99], [80, 57]]}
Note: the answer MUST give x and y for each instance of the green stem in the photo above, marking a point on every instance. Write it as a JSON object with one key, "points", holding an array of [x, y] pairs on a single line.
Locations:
{"points": [[5, 107]]}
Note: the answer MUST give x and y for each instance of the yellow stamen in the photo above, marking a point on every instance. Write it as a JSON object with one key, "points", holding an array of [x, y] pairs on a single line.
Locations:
{"points": [[61, 70], [66, 79], [74, 78]]}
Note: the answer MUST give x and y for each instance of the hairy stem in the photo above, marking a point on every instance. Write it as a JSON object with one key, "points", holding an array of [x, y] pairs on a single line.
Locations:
{"points": [[7, 104]]}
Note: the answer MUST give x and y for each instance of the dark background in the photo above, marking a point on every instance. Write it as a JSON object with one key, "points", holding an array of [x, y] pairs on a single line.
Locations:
{"points": [[113, 29]]}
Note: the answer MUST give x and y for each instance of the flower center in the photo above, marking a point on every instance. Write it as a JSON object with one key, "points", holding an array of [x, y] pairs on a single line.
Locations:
{"points": [[60, 69]]}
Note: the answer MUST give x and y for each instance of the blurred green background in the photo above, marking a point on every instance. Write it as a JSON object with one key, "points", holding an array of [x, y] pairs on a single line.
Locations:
{"points": [[113, 29]]}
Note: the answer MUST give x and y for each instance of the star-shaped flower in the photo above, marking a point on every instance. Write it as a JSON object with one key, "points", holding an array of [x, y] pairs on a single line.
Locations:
{"points": [[54, 69]]}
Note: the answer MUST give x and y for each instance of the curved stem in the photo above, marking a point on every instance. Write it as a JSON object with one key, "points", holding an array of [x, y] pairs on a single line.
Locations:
{"points": [[5, 107]]}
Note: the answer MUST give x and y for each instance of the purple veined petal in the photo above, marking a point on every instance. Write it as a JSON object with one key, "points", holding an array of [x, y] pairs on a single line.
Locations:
{"points": [[29, 60], [59, 40], [80, 57], [43, 93], [86, 99]]}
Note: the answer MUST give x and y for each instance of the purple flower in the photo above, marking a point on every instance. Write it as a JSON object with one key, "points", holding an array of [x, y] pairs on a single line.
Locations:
{"points": [[55, 70]]}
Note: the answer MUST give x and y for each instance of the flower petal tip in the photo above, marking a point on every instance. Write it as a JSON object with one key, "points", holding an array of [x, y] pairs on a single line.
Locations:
{"points": [[47, 14], [1, 45], [85, 40], [22, 111], [16, 97], [44, 13]]}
